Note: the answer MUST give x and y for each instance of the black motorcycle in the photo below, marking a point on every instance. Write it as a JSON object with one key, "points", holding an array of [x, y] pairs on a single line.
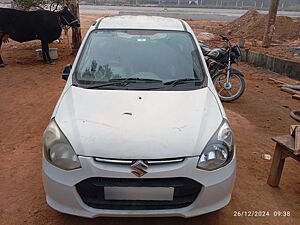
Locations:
{"points": [[229, 83]]}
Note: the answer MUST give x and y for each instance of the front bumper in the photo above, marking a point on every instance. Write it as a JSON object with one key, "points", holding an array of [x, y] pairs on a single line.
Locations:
{"points": [[61, 193]]}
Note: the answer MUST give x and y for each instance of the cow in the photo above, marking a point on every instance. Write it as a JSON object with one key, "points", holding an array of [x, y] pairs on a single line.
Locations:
{"points": [[43, 25], [5, 38]]}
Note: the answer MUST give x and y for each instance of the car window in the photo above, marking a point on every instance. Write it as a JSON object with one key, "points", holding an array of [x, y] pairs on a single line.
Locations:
{"points": [[144, 54]]}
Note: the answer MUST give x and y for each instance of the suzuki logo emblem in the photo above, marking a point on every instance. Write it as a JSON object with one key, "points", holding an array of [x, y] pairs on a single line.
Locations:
{"points": [[139, 168]]}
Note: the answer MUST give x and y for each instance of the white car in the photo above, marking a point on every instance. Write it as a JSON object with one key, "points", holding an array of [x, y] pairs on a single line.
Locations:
{"points": [[139, 129]]}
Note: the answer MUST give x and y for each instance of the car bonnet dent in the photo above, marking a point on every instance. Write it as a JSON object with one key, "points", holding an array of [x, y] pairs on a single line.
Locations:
{"points": [[138, 124]]}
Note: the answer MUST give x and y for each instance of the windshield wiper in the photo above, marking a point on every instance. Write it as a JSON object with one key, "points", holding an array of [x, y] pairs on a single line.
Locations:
{"points": [[121, 81], [105, 84], [135, 79], [180, 81]]}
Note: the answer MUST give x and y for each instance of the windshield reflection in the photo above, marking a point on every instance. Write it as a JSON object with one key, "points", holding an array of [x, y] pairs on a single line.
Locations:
{"points": [[141, 54]]}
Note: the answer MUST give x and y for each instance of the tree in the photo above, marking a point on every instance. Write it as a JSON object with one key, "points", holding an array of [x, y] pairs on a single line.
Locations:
{"points": [[270, 23], [76, 32]]}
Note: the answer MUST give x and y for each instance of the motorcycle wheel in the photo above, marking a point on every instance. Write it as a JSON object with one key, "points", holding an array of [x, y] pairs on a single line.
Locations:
{"points": [[229, 91]]}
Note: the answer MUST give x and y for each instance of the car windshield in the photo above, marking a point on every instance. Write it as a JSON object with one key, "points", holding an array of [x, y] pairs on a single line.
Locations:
{"points": [[136, 59]]}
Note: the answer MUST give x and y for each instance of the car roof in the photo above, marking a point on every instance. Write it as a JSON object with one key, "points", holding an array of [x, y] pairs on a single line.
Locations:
{"points": [[141, 22]]}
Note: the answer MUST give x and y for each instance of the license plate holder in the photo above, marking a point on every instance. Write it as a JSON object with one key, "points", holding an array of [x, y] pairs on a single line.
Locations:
{"points": [[139, 193]]}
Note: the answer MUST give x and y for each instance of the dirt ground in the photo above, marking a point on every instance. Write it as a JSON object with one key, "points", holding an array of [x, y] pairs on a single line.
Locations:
{"points": [[280, 47], [30, 90]]}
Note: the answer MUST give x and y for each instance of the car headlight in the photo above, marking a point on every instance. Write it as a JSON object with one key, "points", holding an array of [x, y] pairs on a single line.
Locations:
{"points": [[58, 150], [219, 150]]}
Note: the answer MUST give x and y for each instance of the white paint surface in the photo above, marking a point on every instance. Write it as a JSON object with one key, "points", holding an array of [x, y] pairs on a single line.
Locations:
{"points": [[163, 124]]}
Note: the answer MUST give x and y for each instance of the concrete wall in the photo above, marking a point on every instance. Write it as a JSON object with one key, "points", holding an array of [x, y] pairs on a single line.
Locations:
{"points": [[277, 65]]}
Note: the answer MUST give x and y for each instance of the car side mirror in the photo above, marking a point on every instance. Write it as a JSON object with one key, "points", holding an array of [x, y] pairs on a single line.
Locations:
{"points": [[66, 72]]}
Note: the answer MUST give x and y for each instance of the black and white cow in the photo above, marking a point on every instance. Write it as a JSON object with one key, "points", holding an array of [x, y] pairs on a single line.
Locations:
{"points": [[43, 25]]}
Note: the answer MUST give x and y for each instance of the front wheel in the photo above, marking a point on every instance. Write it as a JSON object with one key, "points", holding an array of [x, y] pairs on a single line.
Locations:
{"points": [[229, 91]]}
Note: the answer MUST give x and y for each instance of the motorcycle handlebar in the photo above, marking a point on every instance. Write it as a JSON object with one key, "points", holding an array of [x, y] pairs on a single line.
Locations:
{"points": [[224, 38]]}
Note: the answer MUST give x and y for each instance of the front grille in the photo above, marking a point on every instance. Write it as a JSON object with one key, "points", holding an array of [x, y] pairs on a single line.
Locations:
{"points": [[91, 192], [147, 161]]}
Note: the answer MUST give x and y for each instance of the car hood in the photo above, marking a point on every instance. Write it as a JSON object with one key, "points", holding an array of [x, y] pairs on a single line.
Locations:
{"points": [[123, 124]]}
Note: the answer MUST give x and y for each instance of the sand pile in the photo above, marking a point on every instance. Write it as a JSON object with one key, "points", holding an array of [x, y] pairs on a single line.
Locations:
{"points": [[252, 25]]}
